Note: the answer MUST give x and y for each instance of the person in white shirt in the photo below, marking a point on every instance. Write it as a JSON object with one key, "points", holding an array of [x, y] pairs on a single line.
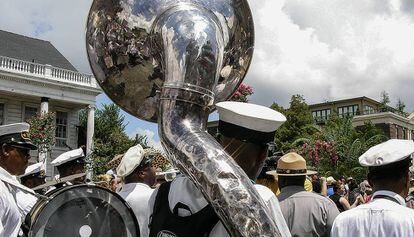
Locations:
{"points": [[178, 208], [15, 147], [386, 214], [34, 175], [70, 163], [139, 176]]}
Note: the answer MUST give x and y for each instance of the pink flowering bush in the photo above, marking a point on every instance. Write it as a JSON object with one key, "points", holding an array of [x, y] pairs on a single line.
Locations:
{"points": [[242, 93], [42, 130], [320, 153], [335, 148]]}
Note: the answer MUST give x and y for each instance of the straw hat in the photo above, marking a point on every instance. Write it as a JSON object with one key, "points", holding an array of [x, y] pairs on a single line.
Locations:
{"points": [[291, 164]]}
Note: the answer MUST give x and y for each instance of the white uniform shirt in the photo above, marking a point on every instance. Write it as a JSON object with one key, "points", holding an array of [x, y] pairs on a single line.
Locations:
{"points": [[184, 191], [379, 217], [137, 196], [10, 216], [25, 202]]}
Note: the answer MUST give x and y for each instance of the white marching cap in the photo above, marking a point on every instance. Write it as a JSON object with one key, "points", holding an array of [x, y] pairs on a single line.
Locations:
{"points": [[33, 169], [250, 116], [68, 156], [14, 128], [130, 161], [387, 152]]}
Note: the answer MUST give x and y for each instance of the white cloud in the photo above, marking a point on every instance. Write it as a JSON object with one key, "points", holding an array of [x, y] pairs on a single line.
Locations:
{"points": [[322, 49], [327, 50], [151, 138], [61, 22]]}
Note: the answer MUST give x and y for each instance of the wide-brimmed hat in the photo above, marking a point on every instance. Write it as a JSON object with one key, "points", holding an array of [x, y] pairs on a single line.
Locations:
{"points": [[291, 164]]}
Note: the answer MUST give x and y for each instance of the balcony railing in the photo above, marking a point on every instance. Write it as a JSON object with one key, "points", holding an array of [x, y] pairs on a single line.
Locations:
{"points": [[323, 119], [46, 71]]}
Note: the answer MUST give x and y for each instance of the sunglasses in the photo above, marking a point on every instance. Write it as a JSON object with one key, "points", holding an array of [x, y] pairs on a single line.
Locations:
{"points": [[23, 151]]}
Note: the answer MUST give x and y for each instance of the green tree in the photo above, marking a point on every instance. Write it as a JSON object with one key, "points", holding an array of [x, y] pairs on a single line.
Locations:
{"points": [[400, 108], [385, 100], [110, 138], [299, 123], [334, 151]]}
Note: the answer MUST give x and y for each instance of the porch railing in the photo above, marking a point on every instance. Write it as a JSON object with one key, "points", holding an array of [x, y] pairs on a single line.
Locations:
{"points": [[46, 71]]}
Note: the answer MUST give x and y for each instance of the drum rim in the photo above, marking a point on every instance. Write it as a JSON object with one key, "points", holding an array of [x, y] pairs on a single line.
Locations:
{"points": [[42, 203]]}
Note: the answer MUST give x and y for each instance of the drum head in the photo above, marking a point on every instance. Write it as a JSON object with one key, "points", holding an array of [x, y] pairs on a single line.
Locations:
{"points": [[83, 210]]}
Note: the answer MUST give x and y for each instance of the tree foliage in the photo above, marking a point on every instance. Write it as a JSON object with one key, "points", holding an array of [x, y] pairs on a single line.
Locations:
{"points": [[110, 138], [299, 123], [384, 101], [400, 108], [334, 151]]}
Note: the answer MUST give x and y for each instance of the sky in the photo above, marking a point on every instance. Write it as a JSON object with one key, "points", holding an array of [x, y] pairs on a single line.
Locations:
{"points": [[322, 49]]}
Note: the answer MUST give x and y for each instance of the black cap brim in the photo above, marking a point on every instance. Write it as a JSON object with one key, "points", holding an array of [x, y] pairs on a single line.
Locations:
{"points": [[24, 145]]}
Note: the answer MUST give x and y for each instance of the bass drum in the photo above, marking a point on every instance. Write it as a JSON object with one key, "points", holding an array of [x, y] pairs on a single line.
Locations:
{"points": [[84, 211]]}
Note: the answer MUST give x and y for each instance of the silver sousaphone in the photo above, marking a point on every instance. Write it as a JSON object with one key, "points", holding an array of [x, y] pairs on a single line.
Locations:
{"points": [[170, 61]]}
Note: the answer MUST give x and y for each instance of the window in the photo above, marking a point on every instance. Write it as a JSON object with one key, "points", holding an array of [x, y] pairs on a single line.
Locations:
{"points": [[61, 129], [321, 115], [2, 114], [348, 111], [368, 109], [29, 112]]}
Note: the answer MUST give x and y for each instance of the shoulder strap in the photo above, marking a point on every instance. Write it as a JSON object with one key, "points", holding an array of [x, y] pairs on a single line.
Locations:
{"points": [[162, 196]]}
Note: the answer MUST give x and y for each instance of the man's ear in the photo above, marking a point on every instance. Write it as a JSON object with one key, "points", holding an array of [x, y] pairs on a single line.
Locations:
{"points": [[4, 150]]}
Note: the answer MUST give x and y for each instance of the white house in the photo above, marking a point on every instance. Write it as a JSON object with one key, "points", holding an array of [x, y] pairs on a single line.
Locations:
{"points": [[36, 77]]}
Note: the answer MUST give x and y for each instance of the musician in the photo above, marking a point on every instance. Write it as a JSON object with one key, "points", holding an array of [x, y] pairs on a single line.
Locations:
{"points": [[15, 146], [34, 175], [70, 163], [139, 176], [245, 130], [386, 214]]}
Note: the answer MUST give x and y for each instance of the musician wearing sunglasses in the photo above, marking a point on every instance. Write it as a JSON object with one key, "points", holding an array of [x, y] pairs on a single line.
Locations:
{"points": [[15, 146]]}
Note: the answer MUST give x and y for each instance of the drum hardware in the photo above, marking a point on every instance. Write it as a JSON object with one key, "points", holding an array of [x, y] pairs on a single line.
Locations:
{"points": [[59, 181], [81, 210]]}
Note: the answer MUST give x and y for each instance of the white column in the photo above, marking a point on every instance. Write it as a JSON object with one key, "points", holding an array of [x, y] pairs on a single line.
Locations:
{"points": [[44, 105], [44, 155], [89, 140]]}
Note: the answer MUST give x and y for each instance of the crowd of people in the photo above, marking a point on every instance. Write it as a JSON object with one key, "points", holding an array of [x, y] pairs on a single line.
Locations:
{"points": [[299, 201]]}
